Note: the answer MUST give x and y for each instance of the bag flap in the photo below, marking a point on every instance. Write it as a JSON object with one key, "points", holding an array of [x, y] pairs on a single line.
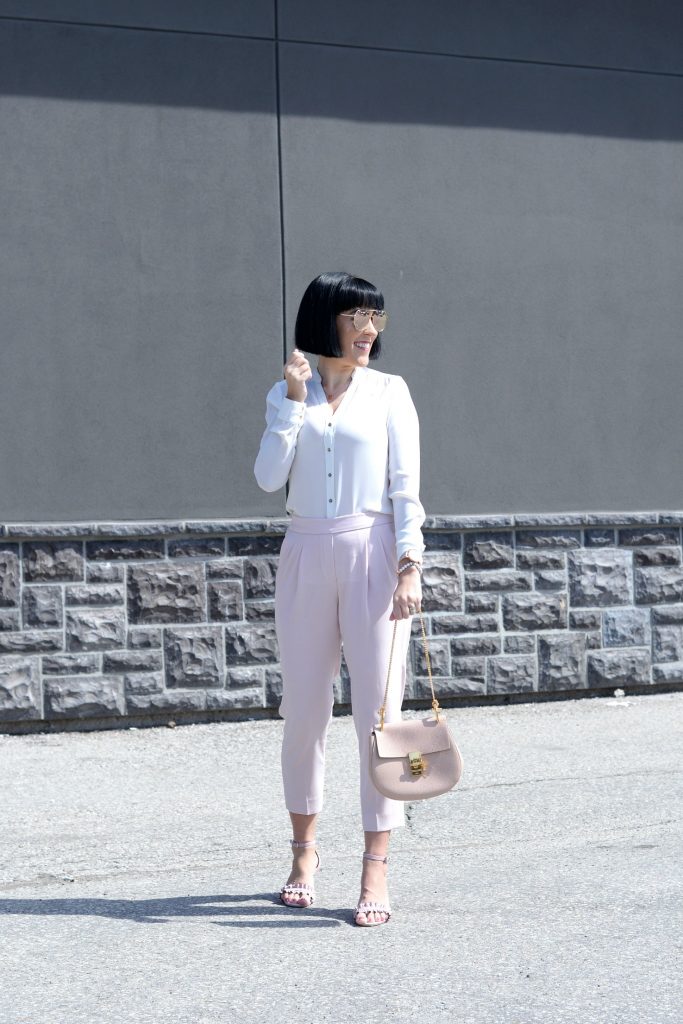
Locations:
{"points": [[425, 735]]}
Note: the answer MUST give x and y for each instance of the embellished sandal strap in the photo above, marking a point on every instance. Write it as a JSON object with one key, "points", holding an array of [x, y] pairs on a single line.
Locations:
{"points": [[375, 856], [302, 846], [367, 905], [298, 887]]}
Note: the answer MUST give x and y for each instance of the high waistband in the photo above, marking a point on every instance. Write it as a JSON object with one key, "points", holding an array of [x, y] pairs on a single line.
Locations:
{"points": [[339, 524]]}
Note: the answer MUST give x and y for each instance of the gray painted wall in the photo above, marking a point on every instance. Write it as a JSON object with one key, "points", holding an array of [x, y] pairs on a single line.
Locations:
{"points": [[510, 174]]}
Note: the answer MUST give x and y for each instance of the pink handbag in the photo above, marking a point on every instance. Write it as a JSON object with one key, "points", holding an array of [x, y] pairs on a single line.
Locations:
{"points": [[415, 759]]}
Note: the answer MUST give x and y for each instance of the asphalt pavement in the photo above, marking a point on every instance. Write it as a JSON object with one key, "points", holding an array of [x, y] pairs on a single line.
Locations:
{"points": [[139, 870]]}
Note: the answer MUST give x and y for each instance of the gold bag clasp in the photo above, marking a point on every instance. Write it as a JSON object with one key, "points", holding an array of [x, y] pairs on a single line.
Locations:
{"points": [[417, 763]]}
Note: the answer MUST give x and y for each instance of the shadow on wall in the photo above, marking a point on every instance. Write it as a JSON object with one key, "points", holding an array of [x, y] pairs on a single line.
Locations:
{"points": [[132, 65]]}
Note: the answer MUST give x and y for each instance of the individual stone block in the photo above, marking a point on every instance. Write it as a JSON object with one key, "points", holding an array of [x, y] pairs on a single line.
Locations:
{"points": [[41, 607], [667, 614], [442, 540], [511, 673], [125, 549], [193, 657], [441, 588], [585, 618], [247, 676], [667, 643], [657, 556], [31, 640], [71, 664], [141, 683], [229, 699], [92, 594], [599, 578], [10, 575], [528, 558], [593, 640], [637, 536], [196, 547], [168, 701], [225, 569], [83, 696], [599, 538], [561, 661], [473, 668], [618, 668], [143, 638], [259, 577], [550, 581], [165, 593], [259, 611], [534, 611], [488, 549], [543, 539], [48, 561], [658, 585], [444, 688], [252, 644], [456, 623], [95, 629], [19, 689], [476, 603], [481, 645], [439, 657], [225, 600], [105, 572], [519, 643], [9, 619], [669, 673], [273, 694], [499, 580], [341, 686], [626, 627], [263, 545], [132, 661]]}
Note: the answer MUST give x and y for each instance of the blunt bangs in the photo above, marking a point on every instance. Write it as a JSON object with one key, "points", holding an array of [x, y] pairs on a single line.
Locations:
{"points": [[326, 296]]}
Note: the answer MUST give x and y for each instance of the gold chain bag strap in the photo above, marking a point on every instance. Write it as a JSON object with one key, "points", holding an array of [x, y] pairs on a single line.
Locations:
{"points": [[415, 759]]}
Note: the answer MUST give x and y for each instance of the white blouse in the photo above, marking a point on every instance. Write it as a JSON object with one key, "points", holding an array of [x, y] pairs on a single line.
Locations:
{"points": [[365, 457]]}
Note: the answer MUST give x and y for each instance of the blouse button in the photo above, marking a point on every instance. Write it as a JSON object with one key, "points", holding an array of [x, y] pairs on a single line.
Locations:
{"points": [[329, 474], [329, 449], [329, 499]]}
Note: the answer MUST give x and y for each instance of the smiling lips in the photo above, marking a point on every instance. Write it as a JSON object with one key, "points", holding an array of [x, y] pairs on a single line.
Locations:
{"points": [[362, 344]]}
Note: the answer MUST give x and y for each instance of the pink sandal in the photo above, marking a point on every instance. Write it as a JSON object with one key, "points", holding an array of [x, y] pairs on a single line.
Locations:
{"points": [[366, 906], [302, 890]]}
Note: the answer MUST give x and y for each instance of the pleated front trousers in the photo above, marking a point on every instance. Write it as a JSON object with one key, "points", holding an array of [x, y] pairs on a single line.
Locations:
{"points": [[334, 586]]}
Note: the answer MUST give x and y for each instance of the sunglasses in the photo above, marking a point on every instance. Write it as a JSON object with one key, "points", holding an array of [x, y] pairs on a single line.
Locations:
{"points": [[362, 317]]}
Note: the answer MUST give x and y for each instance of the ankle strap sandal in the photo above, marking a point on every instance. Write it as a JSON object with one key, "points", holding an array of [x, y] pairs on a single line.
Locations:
{"points": [[366, 906], [303, 892]]}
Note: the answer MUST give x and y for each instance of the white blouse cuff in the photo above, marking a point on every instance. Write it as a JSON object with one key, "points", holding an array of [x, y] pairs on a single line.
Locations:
{"points": [[291, 411]]}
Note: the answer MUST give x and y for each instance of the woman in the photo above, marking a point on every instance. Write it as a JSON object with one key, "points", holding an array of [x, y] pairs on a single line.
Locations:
{"points": [[346, 438]]}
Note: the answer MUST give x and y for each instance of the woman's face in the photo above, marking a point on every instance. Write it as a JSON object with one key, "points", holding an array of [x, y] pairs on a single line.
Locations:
{"points": [[355, 345]]}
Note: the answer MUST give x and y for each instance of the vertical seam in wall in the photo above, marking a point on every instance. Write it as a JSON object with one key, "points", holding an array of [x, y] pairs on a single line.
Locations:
{"points": [[279, 181], [278, 121]]}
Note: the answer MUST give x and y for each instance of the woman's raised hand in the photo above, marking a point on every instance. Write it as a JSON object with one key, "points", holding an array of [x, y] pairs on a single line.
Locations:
{"points": [[297, 372]]}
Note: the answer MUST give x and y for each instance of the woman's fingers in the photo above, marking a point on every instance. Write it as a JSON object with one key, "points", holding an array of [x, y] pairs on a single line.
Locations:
{"points": [[405, 606]]}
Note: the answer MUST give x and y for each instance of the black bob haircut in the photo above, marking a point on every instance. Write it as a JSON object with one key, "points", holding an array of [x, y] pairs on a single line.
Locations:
{"points": [[327, 295]]}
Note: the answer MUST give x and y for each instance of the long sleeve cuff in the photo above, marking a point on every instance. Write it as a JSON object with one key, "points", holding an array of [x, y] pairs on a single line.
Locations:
{"points": [[291, 411]]}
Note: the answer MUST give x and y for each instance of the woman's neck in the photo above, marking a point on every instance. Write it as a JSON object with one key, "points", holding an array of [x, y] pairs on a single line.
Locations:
{"points": [[335, 373]]}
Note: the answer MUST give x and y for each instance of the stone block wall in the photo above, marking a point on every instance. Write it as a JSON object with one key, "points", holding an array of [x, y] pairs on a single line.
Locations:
{"points": [[103, 624]]}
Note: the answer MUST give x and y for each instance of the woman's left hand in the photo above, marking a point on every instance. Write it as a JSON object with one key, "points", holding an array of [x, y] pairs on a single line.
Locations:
{"points": [[407, 596]]}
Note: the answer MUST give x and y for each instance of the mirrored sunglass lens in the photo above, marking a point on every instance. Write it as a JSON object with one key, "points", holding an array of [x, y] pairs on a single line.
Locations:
{"points": [[380, 322], [360, 319]]}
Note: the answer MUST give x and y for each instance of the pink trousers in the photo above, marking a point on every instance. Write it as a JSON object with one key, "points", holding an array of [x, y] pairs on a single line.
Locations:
{"points": [[334, 586]]}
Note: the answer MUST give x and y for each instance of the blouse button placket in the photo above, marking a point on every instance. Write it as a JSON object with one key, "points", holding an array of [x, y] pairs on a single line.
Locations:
{"points": [[329, 466]]}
